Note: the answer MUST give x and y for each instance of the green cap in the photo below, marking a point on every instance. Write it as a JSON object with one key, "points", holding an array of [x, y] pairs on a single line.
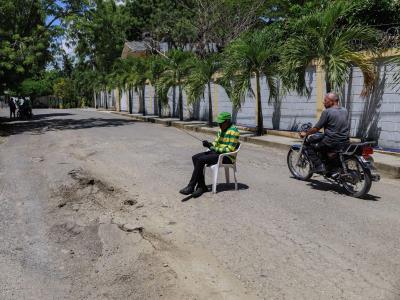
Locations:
{"points": [[222, 117]]}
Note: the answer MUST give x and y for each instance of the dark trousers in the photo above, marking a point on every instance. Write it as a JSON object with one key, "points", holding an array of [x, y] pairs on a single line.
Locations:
{"points": [[319, 144], [200, 160], [12, 112], [312, 150]]}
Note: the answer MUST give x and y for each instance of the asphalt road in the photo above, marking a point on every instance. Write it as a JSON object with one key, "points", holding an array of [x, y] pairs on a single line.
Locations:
{"points": [[90, 209]]}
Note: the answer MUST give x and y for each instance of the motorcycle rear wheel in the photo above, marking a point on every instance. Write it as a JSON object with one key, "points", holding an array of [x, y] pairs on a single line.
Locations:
{"points": [[360, 182], [302, 171]]}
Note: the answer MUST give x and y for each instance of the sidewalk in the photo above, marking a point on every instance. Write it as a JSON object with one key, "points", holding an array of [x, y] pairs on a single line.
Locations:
{"points": [[387, 164]]}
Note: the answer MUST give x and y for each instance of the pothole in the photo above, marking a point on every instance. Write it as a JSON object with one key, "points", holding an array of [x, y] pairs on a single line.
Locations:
{"points": [[89, 192], [130, 202], [85, 180], [62, 204]]}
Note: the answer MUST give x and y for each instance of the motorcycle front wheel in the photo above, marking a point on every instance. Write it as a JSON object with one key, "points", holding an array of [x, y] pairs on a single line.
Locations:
{"points": [[357, 182], [299, 167]]}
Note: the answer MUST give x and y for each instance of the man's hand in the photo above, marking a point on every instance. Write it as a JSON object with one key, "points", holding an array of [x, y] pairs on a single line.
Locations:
{"points": [[311, 131], [207, 144]]}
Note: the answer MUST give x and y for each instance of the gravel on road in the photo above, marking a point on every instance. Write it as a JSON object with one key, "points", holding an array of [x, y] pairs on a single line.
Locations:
{"points": [[90, 209]]}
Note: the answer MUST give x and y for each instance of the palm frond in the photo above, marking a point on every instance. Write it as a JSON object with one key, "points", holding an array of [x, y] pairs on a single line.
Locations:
{"points": [[241, 87], [201, 74], [368, 70], [333, 46]]}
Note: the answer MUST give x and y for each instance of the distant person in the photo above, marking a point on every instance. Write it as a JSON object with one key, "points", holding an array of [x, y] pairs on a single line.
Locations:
{"points": [[227, 140], [13, 107], [27, 107]]}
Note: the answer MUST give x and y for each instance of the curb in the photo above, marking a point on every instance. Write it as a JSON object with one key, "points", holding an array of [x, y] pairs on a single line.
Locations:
{"points": [[246, 136], [388, 170]]}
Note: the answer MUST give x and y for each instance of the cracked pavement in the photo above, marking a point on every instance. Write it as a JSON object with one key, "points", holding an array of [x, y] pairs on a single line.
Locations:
{"points": [[90, 209]]}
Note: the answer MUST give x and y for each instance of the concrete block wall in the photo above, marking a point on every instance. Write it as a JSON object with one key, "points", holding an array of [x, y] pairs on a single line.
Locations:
{"points": [[124, 101], [188, 110], [376, 117], [109, 97], [292, 108], [149, 100]]}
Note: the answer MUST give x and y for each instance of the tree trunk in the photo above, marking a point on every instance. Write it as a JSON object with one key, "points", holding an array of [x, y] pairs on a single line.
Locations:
{"points": [[130, 106], [106, 98], [349, 89], [260, 123], [328, 85], [155, 104], [180, 103], [173, 101], [140, 102], [210, 108], [235, 111], [119, 98], [144, 99], [158, 104], [95, 99]]}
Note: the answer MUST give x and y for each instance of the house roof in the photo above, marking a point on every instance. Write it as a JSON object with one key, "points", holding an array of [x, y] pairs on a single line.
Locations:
{"points": [[137, 46], [134, 48]]}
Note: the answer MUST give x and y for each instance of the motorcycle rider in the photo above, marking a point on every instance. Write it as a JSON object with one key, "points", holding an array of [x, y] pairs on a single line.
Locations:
{"points": [[334, 121]]}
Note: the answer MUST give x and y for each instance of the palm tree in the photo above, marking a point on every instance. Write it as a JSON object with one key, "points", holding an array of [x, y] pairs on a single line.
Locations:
{"points": [[120, 78], [136, 78], [140, 82], [134, 70], [156, 66], [101, 85], [114, 80], [123, 67], [177, 69], [227, 84], [256, 54], [326, 38], [200, 77]]}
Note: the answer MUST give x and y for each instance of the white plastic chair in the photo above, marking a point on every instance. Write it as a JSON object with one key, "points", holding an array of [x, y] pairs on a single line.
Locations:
{"points": [[220, 164]]}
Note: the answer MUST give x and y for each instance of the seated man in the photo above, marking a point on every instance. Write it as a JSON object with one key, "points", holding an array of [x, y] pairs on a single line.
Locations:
{"points": [[334, 120], [227, 141]]}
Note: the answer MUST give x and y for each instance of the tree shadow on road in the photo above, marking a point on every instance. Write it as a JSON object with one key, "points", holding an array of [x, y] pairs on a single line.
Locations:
{"points": [[52, 115], [41, 124], [336, 189], [35, 117]]}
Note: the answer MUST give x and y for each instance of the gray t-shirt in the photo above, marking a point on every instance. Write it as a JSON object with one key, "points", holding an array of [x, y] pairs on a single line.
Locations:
{"points": [[335, 122]]}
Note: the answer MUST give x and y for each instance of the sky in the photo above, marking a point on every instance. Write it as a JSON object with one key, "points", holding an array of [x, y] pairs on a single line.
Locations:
{"points": [[62, 40]]}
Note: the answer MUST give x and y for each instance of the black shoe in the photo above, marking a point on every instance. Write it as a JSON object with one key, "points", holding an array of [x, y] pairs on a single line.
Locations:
{"points": [[187, 190], [320, 169], [199, 191]]}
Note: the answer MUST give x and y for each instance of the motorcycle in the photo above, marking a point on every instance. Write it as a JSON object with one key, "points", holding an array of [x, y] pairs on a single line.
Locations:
{"points": [[24, 112], [351, 167]]}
